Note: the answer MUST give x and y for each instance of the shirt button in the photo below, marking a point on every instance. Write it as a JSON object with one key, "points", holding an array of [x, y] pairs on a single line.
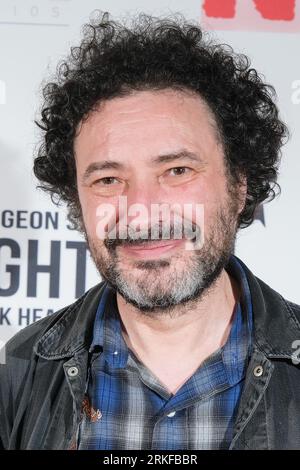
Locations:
{"points": [[73, 371], [116, 353], [170, 415], [258, 371]]}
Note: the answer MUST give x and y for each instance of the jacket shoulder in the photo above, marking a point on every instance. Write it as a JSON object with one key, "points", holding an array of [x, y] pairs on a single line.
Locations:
{"points": [[18, 363], [30, 334], [294, 307], [266, 289]]}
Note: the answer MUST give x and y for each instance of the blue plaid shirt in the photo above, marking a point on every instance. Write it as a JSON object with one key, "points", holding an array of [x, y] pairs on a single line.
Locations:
{"points": [[126, 407]]}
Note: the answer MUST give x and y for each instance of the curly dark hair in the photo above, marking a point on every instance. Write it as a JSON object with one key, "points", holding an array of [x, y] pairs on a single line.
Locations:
{"points": [[115, 59]]}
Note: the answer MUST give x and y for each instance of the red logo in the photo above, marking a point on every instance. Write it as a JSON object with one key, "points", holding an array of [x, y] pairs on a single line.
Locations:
{"points": [[257, 15]]}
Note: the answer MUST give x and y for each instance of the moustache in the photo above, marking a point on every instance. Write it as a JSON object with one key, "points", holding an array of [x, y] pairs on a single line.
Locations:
{"points": [[159, 232]]}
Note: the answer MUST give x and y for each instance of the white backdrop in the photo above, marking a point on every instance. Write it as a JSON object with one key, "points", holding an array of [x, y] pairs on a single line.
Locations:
{"points": [[34, 237]]}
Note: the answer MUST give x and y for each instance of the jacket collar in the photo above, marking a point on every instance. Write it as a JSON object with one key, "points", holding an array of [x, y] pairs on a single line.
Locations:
{"points": [[275, 325], [72, 327]]}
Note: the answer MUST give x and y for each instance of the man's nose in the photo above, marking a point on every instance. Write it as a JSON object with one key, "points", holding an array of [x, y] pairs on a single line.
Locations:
{"points": [[141, 198]]}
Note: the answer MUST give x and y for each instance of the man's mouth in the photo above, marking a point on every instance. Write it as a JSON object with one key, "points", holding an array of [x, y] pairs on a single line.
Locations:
{"points": [[151, 248]]}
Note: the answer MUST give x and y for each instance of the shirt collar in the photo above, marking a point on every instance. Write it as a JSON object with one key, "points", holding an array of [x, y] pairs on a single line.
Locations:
{"points": [[107, 332], [236, 270]]}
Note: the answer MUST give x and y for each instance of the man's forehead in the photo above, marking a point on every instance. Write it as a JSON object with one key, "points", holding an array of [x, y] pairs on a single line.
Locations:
{"points": [[167, 114], [159, 103]]}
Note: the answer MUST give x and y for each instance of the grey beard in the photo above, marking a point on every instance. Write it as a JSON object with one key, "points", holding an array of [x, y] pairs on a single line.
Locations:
{"points": [[154, 294]]}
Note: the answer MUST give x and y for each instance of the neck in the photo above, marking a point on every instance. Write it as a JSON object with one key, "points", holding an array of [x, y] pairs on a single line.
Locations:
{"points": [[195, 330]]}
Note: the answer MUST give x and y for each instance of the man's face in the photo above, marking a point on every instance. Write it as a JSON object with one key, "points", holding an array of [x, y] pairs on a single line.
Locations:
{"points": [[155, 147]]}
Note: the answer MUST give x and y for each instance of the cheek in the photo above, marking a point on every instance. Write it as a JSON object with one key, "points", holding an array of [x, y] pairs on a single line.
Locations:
{"points": [[89, 213], [204, 194], [100, 217], [206, 200]]}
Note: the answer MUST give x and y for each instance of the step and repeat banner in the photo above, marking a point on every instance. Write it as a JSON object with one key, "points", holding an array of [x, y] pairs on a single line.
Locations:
{"points": [[44, 264]]}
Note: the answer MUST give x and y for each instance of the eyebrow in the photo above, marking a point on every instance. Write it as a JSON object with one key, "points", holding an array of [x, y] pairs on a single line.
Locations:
{"points": [[165, 158], [181, 155]]}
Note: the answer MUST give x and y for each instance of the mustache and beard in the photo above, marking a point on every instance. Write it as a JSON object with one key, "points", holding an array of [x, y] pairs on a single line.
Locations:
{"points": [[157, 286]]}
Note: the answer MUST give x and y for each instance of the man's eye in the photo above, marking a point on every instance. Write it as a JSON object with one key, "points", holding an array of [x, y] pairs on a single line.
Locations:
{"points": [[179, 170], [107, 181]]}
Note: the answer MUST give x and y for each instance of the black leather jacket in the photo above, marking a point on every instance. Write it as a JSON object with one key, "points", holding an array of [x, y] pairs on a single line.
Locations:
{"points": [[41, 397]]}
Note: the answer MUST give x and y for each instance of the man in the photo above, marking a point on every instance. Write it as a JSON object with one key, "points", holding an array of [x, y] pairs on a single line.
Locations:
{"points": [[180, 346]]}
